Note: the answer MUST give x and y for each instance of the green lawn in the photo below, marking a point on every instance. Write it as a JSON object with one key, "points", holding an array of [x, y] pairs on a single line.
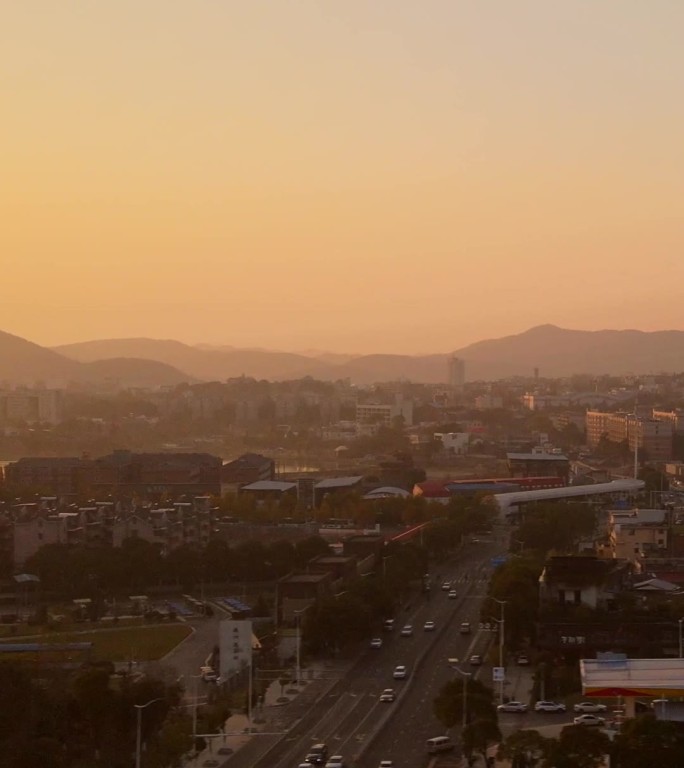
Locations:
{"points": [[141, 643]]}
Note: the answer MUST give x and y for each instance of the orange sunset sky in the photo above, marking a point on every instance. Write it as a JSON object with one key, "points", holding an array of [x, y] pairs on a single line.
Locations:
{"points": [[386, 175]]}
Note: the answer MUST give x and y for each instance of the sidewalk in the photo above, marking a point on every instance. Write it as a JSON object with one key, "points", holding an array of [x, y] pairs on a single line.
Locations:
{"points": [[282, 708], [521, 684]]}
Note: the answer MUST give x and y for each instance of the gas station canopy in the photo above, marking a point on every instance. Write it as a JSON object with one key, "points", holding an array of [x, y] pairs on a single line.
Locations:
{"points": [[660, 678]]}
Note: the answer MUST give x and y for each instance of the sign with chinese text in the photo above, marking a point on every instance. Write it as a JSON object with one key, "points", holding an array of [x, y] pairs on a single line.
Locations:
{"points": [[235, 646]]}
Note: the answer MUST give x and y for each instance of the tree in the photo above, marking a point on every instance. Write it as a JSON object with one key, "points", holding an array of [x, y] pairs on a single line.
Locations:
{"points": [[517, 583], [524, 748], [336, 622], [556, 526], [307, 549], [448, 705], [645, 742], [578, 747], [654, 480], [479, 734]]}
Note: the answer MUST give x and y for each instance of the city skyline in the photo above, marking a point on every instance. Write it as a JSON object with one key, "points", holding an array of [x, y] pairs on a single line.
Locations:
{"points": [[351, 177]]}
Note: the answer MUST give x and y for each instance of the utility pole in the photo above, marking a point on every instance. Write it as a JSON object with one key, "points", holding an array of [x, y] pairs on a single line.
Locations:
{"points": [[502, 632], [466, 676], [138, 731]]}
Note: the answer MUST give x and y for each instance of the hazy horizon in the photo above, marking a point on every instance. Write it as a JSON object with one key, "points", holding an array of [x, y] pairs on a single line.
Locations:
{"points": [[349, 177]]}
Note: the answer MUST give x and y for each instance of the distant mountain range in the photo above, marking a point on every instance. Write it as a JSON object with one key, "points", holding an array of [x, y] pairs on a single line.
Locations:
{"points": [[154, 362], [23, 362]]}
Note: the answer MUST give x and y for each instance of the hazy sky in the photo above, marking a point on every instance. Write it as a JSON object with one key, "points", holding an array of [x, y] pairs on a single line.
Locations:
{"points": [[385, 175]]}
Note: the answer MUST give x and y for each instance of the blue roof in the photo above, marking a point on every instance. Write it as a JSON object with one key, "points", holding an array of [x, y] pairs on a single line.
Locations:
{"points": [[28, 647]]}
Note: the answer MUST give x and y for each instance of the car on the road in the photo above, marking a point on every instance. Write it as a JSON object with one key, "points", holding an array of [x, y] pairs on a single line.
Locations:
{"points": [[386, 764], [388, 625], [549, 706], [376, 642], [388, 696], [453, 594], [406, 630], [399, 672], [318, 754], [335, 761], [589, 706], [464, 629], [475, 660], [589, 720], [446, 586], [429, 626], [522, 660], [209, 674], [512, 706]]}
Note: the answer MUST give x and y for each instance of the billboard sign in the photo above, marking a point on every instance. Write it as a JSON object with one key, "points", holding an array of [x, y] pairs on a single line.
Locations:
{"points": [[235, 646]]}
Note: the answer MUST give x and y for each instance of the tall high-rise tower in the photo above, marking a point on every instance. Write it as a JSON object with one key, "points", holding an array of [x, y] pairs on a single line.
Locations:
{"points": [[456, 373]]}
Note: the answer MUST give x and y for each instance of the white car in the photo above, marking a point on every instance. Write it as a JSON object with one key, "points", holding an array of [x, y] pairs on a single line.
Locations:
{"points": [[406, 630], [453, 594], [336, 761], [429, 626], [386, 764], [388, 696], [464, 629], [589, 720], [399, 672], [446, 586], [512, 706], [475, 660], [549, 706], [376, 642], [589, 706]]}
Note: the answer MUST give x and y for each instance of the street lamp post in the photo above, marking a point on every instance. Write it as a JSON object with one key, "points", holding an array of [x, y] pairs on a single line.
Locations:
{"points": [[466, 677], [138, 733], [681, 647], [298, 641], [195, 698], [502, 631]]}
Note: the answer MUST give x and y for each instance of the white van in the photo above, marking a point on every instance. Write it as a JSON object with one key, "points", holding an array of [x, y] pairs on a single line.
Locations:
{"points": [[439, 744]]}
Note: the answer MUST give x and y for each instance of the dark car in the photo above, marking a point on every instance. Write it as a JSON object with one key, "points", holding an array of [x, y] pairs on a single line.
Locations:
{"points": [[318, 754]]}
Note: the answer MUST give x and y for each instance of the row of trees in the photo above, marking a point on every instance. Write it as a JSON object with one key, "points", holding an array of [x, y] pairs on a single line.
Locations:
{"points": [[79, 720], [79, 571], [642, 742], [340, 621], [481, 727]]}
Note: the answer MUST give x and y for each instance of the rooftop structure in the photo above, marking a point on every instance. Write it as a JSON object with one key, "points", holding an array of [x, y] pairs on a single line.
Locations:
{"points": [[632, 677]]}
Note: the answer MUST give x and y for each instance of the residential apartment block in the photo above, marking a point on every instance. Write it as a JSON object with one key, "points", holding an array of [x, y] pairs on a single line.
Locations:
{"points": [[121, 472], [456, 373], [650, 435], [636, 534], [383, 414], [32, 406]]}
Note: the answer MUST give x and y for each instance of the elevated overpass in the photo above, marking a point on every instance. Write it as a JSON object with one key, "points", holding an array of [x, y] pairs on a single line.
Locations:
{"points": [[509, 503]]}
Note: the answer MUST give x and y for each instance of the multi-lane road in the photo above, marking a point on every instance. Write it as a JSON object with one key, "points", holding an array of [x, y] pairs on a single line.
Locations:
{"points": [[350, 718], [411, 720]]}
